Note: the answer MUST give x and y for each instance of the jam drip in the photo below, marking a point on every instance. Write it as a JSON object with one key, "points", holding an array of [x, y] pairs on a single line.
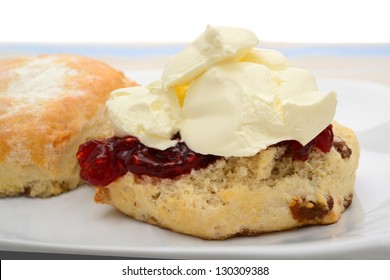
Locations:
{"points": [[103, 161]]}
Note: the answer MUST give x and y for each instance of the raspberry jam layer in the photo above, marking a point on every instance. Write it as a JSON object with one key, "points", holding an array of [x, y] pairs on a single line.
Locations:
{"points": [[323, 141], [104, 161]]}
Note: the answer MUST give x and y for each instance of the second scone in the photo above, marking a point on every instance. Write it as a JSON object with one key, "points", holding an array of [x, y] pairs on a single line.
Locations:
{"points": [[49, 104]]}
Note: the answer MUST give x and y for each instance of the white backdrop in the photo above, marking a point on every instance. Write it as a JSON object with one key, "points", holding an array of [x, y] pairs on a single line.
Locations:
{"points": [[178, 21]]}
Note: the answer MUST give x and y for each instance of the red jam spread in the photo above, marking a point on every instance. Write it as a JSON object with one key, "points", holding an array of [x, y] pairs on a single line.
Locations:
{"points": [[322, 141], [103, 161]]}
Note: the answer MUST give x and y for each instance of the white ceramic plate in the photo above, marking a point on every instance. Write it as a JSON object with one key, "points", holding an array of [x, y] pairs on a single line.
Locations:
{"points": [[73, 223]]}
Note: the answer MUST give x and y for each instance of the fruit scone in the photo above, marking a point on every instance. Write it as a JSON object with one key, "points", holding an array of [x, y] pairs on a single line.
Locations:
{"points": [[232, 140], [49, 105]]}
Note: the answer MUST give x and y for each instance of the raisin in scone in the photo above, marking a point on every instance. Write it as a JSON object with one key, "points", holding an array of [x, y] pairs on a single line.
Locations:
{"points": [[49, 105], [232, 140]]}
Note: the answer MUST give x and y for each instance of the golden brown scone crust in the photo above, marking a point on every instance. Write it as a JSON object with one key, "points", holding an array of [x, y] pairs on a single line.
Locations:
{"points": [[245, 196], [50, 104]]}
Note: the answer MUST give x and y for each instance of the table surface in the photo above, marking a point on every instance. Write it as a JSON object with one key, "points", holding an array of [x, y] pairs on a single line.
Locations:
{"points": [[368, 62]]}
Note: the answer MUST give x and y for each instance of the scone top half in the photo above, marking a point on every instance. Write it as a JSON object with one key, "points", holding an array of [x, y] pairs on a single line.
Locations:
{"points": [[49, 104]]}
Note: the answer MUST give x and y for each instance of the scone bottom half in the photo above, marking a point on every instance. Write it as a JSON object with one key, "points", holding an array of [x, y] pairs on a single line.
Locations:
{"points": [[283, 187]]}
